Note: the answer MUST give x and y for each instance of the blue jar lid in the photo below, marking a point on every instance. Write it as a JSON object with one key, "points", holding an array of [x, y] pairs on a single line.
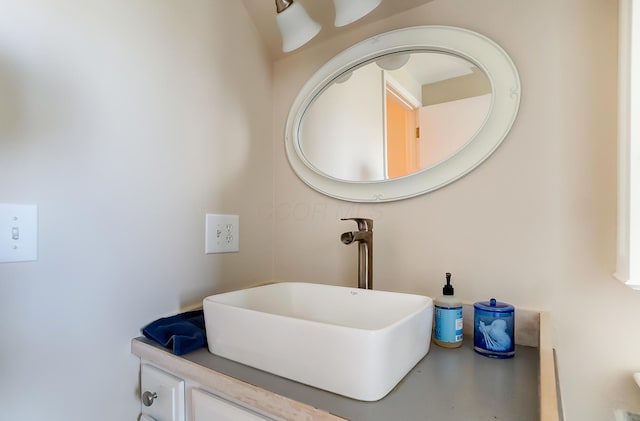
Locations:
{"points": [[493, 305]]}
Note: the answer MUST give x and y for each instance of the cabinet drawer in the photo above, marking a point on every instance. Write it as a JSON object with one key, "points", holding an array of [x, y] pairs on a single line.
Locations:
{"points": [[208, 407]]}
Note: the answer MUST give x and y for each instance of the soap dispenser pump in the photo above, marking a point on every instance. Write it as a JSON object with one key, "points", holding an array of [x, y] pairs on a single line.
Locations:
{"points": [[448, 317]]}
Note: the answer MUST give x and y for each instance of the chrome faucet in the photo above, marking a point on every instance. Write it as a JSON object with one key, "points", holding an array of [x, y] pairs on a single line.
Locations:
{"points": [[364, 237]]}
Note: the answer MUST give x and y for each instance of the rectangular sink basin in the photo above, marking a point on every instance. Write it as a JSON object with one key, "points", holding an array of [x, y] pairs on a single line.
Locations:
{"points": [[354, 342]]}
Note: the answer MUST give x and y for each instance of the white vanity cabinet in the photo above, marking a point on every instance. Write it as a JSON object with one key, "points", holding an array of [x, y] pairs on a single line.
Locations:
{"points": [[167, 397], [524, 388]]}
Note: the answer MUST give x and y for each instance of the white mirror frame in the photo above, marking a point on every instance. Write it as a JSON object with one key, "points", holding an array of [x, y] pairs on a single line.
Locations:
{"points": [[476, 48]]}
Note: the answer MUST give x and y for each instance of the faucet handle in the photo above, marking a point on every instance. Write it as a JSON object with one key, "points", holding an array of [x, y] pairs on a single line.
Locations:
{"points": [[364, 224]]}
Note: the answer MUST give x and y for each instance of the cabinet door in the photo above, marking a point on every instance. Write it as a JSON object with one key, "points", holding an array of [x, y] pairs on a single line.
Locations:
{"points": [[164, 400], [207, 407]]}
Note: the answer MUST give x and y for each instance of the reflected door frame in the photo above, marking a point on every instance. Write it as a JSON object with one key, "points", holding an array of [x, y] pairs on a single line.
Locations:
{"points": [[401, 132]]}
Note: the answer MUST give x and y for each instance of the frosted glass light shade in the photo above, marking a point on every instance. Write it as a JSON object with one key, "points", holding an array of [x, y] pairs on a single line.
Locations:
{"points": [[348, 11], [393, 61], [296, 27]]}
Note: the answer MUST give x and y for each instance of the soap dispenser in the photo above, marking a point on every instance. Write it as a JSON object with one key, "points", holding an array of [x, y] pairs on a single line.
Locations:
{"points": [[448, 318]]}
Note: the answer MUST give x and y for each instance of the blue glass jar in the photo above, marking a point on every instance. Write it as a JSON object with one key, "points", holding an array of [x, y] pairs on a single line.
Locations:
{"points": [[494, 325]]}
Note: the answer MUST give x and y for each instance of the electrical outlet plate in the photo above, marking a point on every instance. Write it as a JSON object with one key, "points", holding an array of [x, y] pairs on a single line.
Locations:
{"points": [[222, 233], [18, 233]]}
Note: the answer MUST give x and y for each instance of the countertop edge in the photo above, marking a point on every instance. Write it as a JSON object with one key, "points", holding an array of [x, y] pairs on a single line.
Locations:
{"points": [[548, 383]]}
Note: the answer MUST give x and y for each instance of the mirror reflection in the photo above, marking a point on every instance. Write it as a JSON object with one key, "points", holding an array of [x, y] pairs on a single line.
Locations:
{"points": [[398, 115]]}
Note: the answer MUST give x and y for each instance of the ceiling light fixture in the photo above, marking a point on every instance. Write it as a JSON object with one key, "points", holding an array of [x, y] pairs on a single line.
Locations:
{"points": [[392, 61], [297, 27], [348, 11]]}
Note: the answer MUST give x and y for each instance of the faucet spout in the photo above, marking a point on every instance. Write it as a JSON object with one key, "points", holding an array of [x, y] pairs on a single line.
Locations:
{"points": [[364, 238], [360, 236], [347, 237]]}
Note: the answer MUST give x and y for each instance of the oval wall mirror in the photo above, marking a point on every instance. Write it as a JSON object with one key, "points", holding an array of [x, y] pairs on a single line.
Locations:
{"points": [[402, 114]]}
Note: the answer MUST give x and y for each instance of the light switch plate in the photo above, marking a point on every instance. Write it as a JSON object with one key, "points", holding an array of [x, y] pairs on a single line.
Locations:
{"points": [[222, 233], [18, 233]]}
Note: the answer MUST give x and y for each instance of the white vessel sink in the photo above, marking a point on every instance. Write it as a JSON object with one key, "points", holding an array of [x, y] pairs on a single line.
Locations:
{"points": [[353, 342]]}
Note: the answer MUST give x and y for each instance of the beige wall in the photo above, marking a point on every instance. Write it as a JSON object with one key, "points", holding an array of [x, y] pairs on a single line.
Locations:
{"points": [[124, 121], [534, 225]]}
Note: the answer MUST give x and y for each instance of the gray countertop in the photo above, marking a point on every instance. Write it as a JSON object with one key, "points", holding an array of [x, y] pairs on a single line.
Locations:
{"points": [[447, 384]]}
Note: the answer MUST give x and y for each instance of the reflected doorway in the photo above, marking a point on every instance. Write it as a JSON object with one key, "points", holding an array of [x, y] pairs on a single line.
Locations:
{"points": [[402, 137]]}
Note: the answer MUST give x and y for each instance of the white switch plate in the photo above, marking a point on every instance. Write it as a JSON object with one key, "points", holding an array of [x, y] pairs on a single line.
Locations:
{"points": [[222, 233], [18, 233]]}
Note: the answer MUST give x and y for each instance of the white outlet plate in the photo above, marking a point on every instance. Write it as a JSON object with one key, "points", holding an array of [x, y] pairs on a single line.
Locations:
{"points": [[222, 233], [18, 233]]}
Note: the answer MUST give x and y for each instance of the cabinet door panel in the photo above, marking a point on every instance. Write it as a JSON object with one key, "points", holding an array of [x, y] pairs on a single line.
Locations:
{"points": [[167, 391], [207, 407]]}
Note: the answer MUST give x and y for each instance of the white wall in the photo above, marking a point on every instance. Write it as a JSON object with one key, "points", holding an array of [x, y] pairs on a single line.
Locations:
{"points": [[348, 144], [446, 127], [534, 225], [125, 122]]}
